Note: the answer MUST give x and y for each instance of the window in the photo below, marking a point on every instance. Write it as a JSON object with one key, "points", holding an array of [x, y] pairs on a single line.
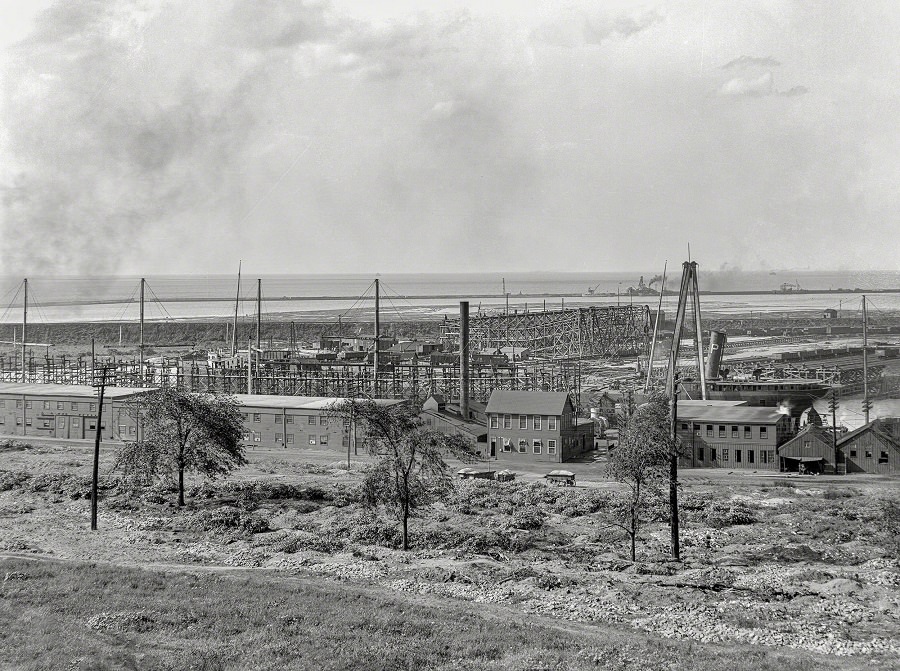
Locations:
{"points": [[696, 428], [279, 438], [537, 422], [551, 447], [763, 433], [771, 454], [699, 454], [2, 404], [737, 456], [312, 440], [523, 421], [45, 423], [347, 423], [868, 454], [92, 407], [18, 421], [507, 421], [721, 431], [883, 457], [684, 426], [507, 446], [712, 454], [536, 446], [523, 445], [323, 440], [131, 431], [61, 422], [748, 433], [28, 421], [278, 419], [2, 420], [551, 423], [289, 419], [853, 453], [76, 421], [725, 454], [290, 439], [345, 441], [74, 406], [257, 437], [751, 457], [763, 457], [734, 432], [244, 416], [60, 405], [245, 435], [709, 431], [18, 404], [28, 405], [806, 444], [46, 405], [495, 422], [256, 417], [323, 420]]}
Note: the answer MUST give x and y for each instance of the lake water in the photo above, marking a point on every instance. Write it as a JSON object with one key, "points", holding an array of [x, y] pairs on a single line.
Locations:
{"points": [[57, 299]]}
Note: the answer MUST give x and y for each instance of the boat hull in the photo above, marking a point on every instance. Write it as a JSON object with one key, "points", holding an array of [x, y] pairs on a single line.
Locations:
{"points": [[796, 396]]}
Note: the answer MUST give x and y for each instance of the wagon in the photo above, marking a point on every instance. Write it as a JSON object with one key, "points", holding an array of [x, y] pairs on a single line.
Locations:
{"points": [[565, 478]]}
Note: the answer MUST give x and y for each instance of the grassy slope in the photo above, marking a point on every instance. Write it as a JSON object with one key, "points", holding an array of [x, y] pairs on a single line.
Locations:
{"points": [[72, 615]]}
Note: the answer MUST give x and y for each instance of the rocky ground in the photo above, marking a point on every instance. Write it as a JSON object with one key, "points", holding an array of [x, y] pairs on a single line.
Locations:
{"points": [[799, 563]]}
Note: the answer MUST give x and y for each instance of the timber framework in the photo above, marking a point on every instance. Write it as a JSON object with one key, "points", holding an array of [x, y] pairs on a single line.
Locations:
{"points": [[573, 333]]}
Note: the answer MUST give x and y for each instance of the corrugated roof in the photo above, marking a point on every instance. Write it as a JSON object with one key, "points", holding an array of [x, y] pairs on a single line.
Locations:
{"points": [[68, 390], [296, 402], [527, 402], [728, 413]]}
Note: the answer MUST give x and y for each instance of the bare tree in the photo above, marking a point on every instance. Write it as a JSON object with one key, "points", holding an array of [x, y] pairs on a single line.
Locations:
{"points": [[183, 431], [639, 462], [409, 471]]}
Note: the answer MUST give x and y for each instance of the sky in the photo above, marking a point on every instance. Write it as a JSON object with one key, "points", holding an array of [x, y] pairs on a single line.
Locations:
{"points": [[170, 136]]}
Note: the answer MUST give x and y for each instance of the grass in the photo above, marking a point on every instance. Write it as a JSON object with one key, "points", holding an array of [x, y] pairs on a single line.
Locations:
{"points": [[72, 615]]}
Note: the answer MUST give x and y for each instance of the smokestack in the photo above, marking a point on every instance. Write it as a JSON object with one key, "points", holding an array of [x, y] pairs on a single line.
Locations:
{"points": [[464, 359], [716, 349]]}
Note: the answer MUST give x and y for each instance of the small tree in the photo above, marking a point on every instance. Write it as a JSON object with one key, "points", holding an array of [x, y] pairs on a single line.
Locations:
{"points": [[639, 462], [183, 431], [409, 471]]}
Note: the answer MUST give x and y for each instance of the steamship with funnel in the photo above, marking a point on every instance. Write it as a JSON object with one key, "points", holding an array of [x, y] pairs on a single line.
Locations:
{"points": [[791, 395], [794, 395]]}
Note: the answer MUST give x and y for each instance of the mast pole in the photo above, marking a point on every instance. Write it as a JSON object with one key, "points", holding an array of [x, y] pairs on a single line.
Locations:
{"points": [[377, 338], [865, 359], [699, 331], [656, 328], [24, 328], [258, 313], [237, 301]]}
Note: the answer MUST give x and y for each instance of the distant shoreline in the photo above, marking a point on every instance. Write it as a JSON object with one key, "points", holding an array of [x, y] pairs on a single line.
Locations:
{"points": [[227, 299]]}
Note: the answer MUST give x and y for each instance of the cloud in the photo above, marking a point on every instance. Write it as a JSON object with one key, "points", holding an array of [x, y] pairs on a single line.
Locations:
{"points": [[752, 61], [748, 86], [577, 27]]}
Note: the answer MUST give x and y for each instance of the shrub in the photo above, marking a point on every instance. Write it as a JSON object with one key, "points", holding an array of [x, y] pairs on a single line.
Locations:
{"points": [[12, 479], [527, 518], [728, 513]]}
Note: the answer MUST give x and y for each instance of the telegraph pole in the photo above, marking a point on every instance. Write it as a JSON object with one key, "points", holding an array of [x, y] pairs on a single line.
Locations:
{"points": [[24, 330], [867, 405], [673, 466], [832, 405], [377, 338], [105, 372]]}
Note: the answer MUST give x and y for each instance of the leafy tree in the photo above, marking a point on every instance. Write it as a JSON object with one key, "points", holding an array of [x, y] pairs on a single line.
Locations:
{"points": [[409, 470], [183, 431], [639, 462]]}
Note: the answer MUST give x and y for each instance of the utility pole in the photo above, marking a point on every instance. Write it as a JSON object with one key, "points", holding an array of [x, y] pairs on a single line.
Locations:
{"points": [[673, 466], [259, 313], [105, 372], [24, 329], [867, 405], [377, 339], [839, 464], [141, 346]]}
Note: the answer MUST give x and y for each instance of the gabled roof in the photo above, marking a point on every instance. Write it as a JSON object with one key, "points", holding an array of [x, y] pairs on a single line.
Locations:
{"points": [[810, 431], [527, 402], [728, 413], [873, 425], [69, 390]]}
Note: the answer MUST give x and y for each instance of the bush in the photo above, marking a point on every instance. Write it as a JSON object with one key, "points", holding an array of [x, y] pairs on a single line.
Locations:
{"points": [[12, 479], [728, 513], [527, 518]]}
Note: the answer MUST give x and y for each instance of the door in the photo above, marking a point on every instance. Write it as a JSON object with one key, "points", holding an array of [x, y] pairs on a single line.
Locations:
{"points": [[62, 427], [493, 447]]}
